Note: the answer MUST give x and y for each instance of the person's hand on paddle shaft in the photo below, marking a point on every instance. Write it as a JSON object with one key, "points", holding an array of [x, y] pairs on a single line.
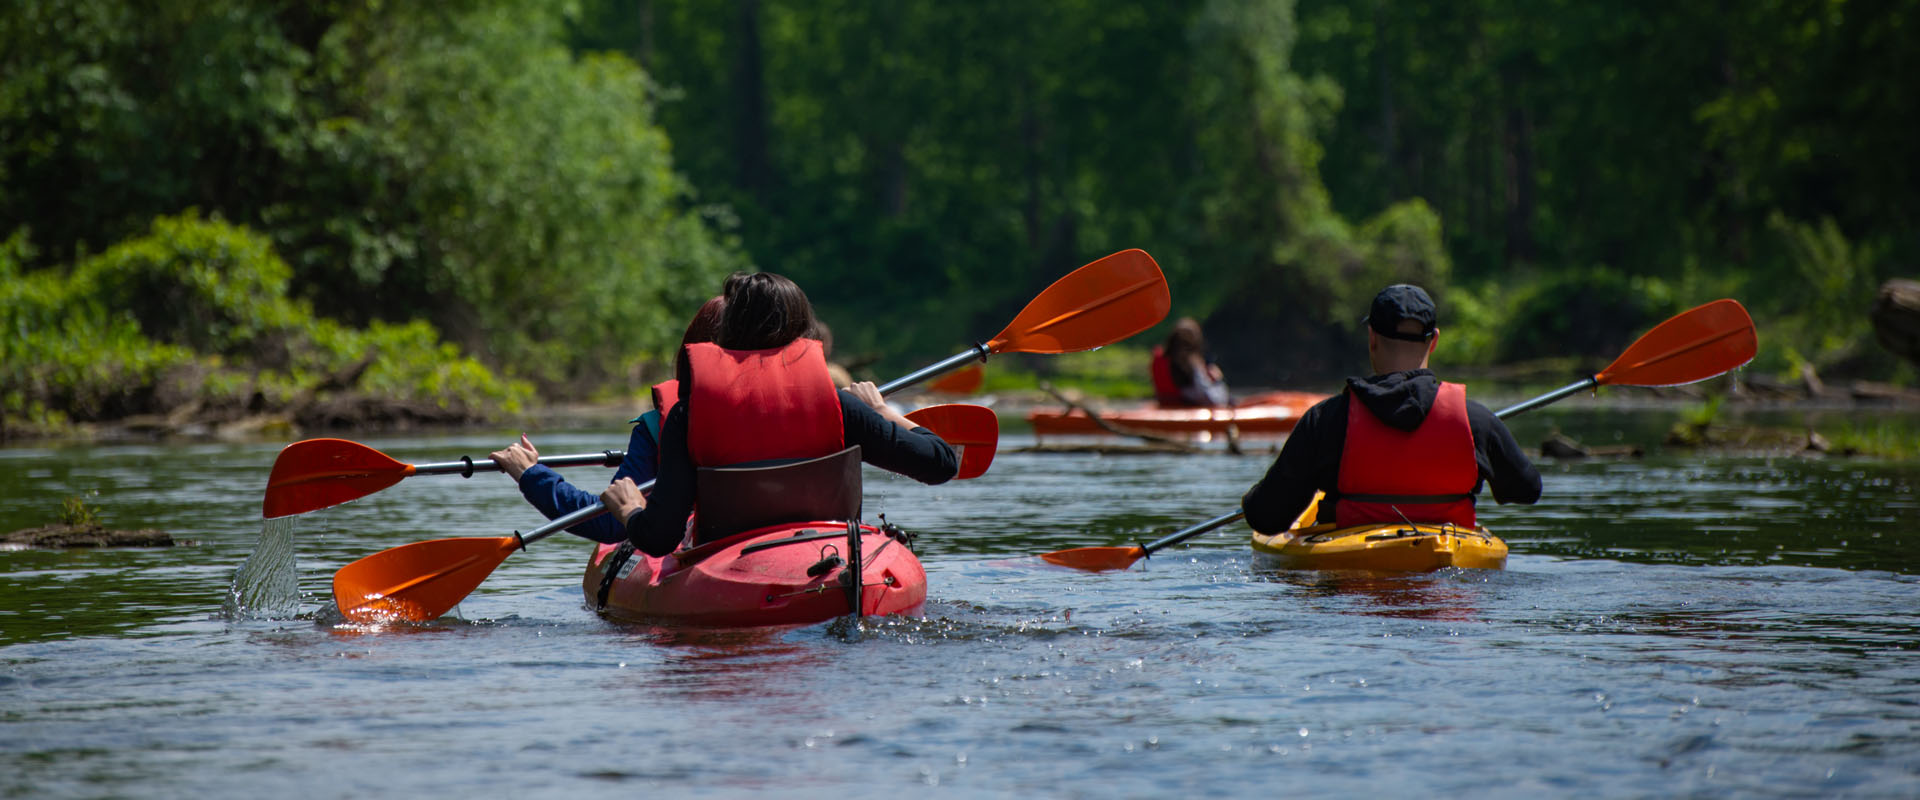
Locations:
{"points": [[515, 458], [870, 394], [623, 499]]}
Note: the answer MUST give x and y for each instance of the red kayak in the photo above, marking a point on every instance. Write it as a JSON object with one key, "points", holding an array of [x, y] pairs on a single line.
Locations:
{"points": [[1270, 414], [787, 574]]}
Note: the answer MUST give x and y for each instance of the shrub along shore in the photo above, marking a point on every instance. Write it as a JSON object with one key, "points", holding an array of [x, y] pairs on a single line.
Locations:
{"points": [[189, 329]]}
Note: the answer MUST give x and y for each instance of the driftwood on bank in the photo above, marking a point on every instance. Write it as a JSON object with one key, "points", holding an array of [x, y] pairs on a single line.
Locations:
{"points": [[1896, 318], [1151, 442], [62, 536], [1560, 445]]}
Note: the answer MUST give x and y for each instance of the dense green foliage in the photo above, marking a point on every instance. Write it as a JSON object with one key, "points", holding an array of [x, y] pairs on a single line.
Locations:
{"points": [[1639, 158], [196, 313], [926, 168], [452, 163], [551, 188], [1578, 169]]}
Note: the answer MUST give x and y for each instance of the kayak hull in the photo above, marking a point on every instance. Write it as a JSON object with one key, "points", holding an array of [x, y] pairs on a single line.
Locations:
{"points": [[1396, 547], [760, 577], [1271, 414]]}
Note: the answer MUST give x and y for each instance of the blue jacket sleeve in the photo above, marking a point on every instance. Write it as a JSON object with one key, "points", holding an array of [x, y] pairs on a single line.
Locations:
{"points": [[554, 497]]}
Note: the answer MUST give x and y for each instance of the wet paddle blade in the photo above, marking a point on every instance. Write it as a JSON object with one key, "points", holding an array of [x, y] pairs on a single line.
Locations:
{"points": [[317, 473], [417, 582], [964, 381], [974, 431], [1693, 346], [1093, 306], [1096, 559]]}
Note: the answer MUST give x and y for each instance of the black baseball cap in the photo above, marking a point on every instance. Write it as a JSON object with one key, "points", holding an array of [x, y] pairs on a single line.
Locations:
{"points": [[1402, 301]]}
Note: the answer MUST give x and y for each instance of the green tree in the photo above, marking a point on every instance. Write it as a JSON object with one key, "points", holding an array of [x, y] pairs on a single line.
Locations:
{"points": [[452, 163], [924, 168]]}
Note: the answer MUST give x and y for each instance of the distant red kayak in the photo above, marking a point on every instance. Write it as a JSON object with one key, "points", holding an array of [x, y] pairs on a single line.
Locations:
{"points": [[790, 574], [1269, 414]]}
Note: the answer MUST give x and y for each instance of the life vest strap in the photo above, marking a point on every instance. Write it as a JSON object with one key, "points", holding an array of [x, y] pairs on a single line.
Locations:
{"points": [[1405, 499]]}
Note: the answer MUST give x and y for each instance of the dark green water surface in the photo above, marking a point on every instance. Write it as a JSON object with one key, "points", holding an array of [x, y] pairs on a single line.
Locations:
{"points": [[1682, 624]]}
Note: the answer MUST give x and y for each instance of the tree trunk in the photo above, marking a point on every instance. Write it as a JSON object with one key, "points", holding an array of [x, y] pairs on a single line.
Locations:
{"points": [[1896, 318], [750, 86], [1520, 189], [643, 49]]}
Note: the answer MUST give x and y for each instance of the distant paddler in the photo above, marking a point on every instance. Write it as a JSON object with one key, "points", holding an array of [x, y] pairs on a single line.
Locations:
{"points": [[1184, 373]]}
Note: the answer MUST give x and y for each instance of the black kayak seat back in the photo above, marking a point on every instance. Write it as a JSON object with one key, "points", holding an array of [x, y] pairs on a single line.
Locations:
{"points": [[741, 497]]}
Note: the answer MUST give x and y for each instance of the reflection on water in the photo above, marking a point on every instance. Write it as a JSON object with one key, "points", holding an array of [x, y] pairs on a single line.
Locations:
{"points": [[1435, 596], [1686, 625]]}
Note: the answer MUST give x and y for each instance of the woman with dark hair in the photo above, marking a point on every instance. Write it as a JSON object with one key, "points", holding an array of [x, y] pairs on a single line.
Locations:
{"points": [[547, 491], [1184, 374], [760, 392]]}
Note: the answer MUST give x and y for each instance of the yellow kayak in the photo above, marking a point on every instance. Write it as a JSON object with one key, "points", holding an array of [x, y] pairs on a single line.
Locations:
{"points": [[1385, 547]]}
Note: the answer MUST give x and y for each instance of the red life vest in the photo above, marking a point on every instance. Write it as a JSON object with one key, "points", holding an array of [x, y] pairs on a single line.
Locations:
{"points": [[1164, 391], [665, 394], [760, 405], [1426, 474]]}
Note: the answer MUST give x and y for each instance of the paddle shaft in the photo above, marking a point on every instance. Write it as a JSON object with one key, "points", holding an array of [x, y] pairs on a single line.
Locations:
{"points": [[1571, 388], [1234, 516], [572, 518], [979, 352], [1182, 535], [465, 467]]}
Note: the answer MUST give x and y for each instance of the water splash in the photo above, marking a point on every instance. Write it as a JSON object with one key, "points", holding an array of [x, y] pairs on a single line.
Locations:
{"points": [[267, 585]]}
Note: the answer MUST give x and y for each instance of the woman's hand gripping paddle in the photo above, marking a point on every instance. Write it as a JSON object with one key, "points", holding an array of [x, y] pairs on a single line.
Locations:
{"points": [[1693, 346], [423, 580], [1096, 305]]}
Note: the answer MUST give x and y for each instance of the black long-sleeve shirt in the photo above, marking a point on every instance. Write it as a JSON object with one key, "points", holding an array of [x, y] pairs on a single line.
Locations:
{"points": [[918, 454], [1310, 459]]}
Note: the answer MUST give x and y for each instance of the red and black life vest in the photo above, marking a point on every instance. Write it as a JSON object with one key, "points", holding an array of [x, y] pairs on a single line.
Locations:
{"points": [[1424, 475], [760, 405], [1165, 392]]}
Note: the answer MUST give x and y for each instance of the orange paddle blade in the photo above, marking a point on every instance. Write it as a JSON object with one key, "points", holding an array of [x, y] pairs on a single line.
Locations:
{"points": [[1093, 306], [1693, 346], [1096, 559], [316, 473], [964, 381], [417, 582], [974, 431]]}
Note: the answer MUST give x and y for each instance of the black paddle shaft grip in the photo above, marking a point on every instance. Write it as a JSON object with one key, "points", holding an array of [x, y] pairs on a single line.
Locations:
{"points": [[467, 465]]}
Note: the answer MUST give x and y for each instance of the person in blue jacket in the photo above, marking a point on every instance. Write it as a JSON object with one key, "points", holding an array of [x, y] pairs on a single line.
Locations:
{"points": [[543, 487]]}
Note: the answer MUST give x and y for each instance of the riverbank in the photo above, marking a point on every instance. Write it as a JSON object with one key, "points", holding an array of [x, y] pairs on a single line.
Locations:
{"points": [[362, 414]]}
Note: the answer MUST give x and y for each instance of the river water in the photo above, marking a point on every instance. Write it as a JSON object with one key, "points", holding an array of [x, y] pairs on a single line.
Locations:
{"points": [[1679, 624]]}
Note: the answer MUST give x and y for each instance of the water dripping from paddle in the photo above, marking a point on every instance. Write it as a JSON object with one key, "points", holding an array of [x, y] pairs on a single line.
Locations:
{"points": [[267, 585]]}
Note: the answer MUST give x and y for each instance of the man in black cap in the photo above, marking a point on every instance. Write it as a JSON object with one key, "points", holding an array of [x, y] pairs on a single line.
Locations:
{"points": [[1399, 445]]}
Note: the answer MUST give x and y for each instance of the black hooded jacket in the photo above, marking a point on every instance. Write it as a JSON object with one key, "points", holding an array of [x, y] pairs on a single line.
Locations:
{"points": [[1310, 460]]}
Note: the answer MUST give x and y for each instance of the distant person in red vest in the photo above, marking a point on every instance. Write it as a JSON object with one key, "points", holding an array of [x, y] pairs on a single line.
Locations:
{"points": [[1184, 375], [760, 392], [554, 497], [1400, 444]]}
